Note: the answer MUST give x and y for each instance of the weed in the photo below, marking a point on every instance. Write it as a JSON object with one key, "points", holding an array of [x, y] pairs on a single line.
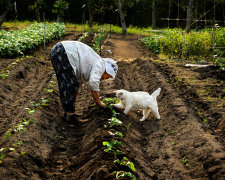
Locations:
{"points": [[185, 161]]}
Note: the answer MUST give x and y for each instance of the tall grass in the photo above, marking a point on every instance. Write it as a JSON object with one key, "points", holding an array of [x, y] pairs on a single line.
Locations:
{"points": [[176, 43]]}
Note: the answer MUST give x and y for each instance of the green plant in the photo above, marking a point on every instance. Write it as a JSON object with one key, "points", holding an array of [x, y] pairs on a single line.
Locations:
{"points": [[111, 146], [185, 161], [19, 127], [114, 133], [114, 144], [125, 162], [152, 43], [1, 154], [48, 90], [45, 102], [114, 122], [120, 174], [60, 7], [98, 38], [17, 42], [31, 111], [109, 101]]}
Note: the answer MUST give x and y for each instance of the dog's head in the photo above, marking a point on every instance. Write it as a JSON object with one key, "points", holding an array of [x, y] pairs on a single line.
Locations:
{"points": [[120, 93]]}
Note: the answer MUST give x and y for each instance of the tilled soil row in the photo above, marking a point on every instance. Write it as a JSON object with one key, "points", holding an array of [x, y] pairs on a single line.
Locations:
{"points": [[175, 147]]}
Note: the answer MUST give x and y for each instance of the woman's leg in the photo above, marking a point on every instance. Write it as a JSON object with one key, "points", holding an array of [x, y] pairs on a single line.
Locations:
{"points": [[67, 81]]}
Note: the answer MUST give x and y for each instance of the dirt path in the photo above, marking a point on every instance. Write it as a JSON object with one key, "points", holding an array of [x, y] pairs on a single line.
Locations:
{"points": [[179, 146]]}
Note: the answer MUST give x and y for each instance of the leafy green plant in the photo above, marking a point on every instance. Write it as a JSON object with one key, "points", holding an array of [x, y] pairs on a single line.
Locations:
{"points": [[109, 101], [125, 162], [45, 102], [51, 84], [114, 122], [17, 42], [115, 133], [19, 127], [48, 90], [120, 174], [1, 154], [185, 161], [152, 43], [33, 103], [111, 146], [175, 43], [114, 143], [6, 71], [98, 38], [84, 35], [31, 111]]}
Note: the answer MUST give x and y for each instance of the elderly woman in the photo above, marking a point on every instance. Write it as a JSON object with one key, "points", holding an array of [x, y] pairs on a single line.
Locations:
{"points": [[74, 63]]}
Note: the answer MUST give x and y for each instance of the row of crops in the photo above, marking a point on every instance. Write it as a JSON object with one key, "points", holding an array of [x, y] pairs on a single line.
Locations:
{"points": [[208, 45], [14, 43]]}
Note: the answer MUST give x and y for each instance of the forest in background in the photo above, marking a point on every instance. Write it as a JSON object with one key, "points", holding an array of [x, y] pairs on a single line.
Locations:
{"points": [[141, 13]]}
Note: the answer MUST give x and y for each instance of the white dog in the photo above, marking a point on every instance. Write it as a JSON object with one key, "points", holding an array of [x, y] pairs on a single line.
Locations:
{"points": [[138, 100]]}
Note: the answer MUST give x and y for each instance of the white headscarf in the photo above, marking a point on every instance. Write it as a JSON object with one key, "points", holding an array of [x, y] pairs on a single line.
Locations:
{"points": [[111, 67]]}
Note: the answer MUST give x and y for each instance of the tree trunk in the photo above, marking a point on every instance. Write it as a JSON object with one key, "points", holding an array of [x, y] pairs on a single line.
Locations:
{"points": [[2, 17], [189, 14], [124, 29], [153, 14], [90, 11], [38, 15]]}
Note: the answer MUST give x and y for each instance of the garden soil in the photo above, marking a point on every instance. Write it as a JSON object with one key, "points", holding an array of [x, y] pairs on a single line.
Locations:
{"points": [[186, 143]]}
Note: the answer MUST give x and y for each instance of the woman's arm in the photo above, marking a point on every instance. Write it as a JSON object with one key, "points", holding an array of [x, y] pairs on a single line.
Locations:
{"points": [[95, 95]]}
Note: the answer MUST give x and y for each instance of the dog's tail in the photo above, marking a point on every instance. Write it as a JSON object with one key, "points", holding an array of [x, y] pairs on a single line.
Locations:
{"points": [[156, 93]]}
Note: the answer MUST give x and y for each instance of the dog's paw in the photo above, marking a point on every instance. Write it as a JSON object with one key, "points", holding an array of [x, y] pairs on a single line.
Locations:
{"points": [[114, 105], [142, 119]]}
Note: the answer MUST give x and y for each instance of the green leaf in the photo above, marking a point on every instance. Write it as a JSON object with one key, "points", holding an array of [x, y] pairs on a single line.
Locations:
{"points": [[31, 111], [3, 76], [22, 153], [1, 155], [105, 143], [117, 161], [8, 135], [132, 166]]}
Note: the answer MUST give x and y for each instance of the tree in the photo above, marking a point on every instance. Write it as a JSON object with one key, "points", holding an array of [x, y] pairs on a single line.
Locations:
{"points": [[123, 23], [37, 6], [4, 9], [153, 14], [189, 15], [60, 8], [91, 12]]}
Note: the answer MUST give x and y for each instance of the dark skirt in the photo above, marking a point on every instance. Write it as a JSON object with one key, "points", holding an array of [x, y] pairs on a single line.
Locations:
{"points": [[67, 81]]}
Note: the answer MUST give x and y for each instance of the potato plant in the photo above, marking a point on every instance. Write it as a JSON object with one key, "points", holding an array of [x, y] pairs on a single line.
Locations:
{"points": [[6, 71], [13, 43], [115, 143], [98, 38]]}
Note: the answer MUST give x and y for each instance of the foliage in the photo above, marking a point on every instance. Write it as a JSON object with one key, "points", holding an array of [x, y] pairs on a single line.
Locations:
{"points": [[110, 101], [120, 174], [112, 146], [152, 43], [6, 71], [98, 38], [60, 7], [125, 162], [17, 42], [195, 45]]}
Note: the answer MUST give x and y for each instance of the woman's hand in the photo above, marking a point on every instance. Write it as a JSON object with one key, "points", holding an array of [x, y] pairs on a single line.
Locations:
{"points": [[96, 98]]}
